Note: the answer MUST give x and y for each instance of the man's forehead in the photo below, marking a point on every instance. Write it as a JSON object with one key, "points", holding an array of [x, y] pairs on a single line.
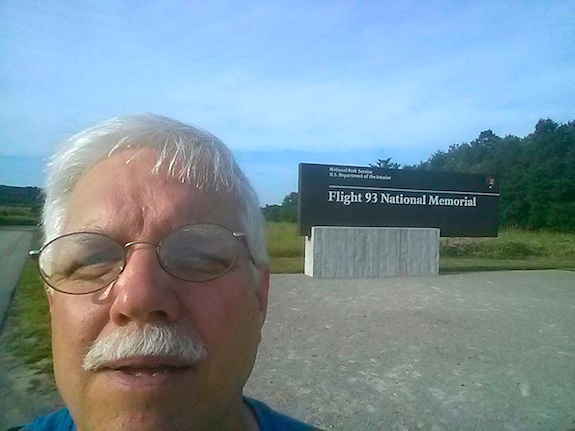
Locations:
{"points": [[145, 168], [126, 189], [199, 170]]}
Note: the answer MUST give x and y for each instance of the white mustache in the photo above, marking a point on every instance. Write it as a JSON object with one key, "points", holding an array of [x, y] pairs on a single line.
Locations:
{"points": [[159, 339]]}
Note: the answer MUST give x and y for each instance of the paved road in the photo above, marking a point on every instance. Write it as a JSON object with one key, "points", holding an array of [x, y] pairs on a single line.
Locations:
{"points": [[14, 246], [481, 351]]}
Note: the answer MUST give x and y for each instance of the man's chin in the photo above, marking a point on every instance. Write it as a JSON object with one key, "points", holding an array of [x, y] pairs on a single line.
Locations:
{"points": [[130, 402]]}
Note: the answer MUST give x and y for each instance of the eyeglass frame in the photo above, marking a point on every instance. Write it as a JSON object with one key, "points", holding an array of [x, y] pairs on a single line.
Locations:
{"points": [[241, 236]]}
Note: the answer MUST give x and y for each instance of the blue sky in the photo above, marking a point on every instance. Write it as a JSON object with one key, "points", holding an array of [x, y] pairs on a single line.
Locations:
{"points": [[283, 82]]}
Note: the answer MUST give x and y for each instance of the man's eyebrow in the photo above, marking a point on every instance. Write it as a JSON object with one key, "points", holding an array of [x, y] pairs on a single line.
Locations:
{"points": [[98, 229]]}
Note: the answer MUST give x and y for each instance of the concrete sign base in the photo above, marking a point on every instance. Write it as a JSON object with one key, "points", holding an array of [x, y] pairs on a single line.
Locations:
{"points": [[369, 252]]}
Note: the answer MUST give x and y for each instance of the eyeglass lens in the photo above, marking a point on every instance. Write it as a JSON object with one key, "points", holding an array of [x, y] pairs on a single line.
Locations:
{"points": [[86, 262]]}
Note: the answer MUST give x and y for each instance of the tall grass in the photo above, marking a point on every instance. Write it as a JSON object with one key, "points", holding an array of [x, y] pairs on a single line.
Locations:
{"points": [[26, 330], [512, 244], [282, 240], [18, 215], [285, 247]]}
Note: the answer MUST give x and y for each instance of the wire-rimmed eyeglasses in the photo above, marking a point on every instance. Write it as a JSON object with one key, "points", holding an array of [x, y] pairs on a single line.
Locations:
{"points": [[85, 262]]}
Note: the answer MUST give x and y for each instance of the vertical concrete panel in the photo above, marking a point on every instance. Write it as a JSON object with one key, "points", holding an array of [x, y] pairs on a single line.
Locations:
{"points": [[367, 252], [308, 257]]}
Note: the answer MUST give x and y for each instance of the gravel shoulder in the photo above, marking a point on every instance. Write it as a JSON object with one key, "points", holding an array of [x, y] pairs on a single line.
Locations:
{"points": [[14, 246]]}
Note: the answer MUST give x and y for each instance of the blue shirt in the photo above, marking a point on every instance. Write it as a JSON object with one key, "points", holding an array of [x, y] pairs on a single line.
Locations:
{"points": [[268, 419]]}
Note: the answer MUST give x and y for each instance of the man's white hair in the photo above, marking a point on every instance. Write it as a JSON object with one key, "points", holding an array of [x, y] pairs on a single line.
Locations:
{"points": [[190, 154]]}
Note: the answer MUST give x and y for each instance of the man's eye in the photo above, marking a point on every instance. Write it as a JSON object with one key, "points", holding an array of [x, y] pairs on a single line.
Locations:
{"points": [[90, 272], [90, 267], [198, 263]]}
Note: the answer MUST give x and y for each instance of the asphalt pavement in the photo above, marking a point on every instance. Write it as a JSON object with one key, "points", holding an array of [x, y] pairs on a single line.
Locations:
{"points": [[15, 244], [478, 351]]}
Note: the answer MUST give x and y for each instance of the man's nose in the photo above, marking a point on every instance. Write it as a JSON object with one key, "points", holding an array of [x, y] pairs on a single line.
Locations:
{"points": [[144, 292]]}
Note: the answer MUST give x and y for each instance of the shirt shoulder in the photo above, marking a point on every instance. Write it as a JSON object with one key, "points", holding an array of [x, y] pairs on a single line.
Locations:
{"points": [[60, 420], [270, 420]]}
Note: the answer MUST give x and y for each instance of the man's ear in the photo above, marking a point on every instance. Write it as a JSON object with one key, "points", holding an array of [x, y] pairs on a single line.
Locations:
{"points": [[262, 293]]}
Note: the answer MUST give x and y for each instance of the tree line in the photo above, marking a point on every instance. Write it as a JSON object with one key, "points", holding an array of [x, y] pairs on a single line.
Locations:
{"points": [[536, 175]]}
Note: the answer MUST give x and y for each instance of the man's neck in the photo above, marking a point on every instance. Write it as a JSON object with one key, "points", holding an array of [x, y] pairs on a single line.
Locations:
{"points": [[250, 421]]}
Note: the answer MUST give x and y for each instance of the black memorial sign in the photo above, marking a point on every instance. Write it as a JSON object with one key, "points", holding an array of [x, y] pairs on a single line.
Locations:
{"points": [[457, 204]]}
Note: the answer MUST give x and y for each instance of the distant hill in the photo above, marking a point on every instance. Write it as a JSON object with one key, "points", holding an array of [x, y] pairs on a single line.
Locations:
{"points": [[20, 196]]}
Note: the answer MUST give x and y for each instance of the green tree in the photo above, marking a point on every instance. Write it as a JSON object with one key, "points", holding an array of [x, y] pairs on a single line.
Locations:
{"points": [[289, 207], [385, 164], [286, 212], [536, 173]]}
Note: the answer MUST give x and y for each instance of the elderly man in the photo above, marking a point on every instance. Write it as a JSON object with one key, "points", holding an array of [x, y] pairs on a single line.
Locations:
{"points": [[157, 279]]}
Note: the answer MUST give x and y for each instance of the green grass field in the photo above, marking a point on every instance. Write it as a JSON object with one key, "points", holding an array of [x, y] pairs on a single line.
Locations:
{"points": [[513, 249], [26, 332], [18, 215]]}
